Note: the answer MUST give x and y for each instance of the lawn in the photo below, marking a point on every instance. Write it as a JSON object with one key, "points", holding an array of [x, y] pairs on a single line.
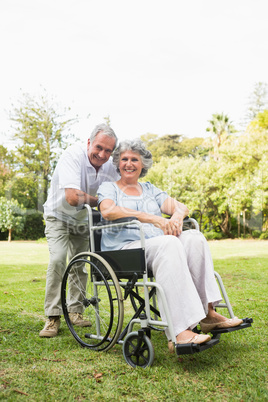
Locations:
{"points": [[58, 369]]}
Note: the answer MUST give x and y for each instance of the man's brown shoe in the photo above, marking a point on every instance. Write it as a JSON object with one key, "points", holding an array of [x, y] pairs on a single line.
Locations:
{"points": [[51, 327], [77, 319]]}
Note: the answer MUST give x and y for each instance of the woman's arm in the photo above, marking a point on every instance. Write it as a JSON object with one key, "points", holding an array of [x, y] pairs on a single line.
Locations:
{"points": [[177, 212], [174, 208], [110, 211]]}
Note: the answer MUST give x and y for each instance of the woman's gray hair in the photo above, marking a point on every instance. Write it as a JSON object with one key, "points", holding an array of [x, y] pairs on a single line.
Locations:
{"points": [[138, 147], [105, 130]]}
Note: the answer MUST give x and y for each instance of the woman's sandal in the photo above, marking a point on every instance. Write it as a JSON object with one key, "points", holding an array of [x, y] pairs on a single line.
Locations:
{"points": [[230, 323], [197, 339]]}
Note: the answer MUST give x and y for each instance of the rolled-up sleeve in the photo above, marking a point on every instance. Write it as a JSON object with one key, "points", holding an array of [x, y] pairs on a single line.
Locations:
{"points": [[106, 191]]}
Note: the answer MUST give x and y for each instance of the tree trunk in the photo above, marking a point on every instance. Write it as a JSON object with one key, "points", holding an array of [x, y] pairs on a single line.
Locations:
{"points": [[225, 224], [9, 234], [244, 221], [238, 223], [200, 222]]}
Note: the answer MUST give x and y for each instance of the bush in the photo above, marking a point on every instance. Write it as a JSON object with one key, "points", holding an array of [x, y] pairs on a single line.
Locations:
{"points": [[34, 228], [246, 236], [213, 235], [264, 235], [256, 234], [4, 235]]}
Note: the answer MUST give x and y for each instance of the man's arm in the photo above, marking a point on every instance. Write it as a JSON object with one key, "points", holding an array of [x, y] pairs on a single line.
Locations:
{"points": [[76, 198]]}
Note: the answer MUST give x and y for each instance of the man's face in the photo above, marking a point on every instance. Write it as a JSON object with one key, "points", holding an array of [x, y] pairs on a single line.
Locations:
{"points": [[100, 150]]}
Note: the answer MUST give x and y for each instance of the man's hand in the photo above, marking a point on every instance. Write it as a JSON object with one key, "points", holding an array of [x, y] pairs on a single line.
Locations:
{"points": [[76, 198]]}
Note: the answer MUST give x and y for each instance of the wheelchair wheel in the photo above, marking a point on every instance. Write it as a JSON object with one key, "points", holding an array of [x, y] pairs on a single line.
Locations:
{"points": [[138, 350], [90, 287]]}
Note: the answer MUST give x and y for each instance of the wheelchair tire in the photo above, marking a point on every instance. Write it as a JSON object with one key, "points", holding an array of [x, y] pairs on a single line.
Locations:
{"points": [[138, 350], [95, 292]]}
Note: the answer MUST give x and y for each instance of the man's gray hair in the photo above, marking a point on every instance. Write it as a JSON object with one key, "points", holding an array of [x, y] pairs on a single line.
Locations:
{"points": [[138, 147], [105, 130]]}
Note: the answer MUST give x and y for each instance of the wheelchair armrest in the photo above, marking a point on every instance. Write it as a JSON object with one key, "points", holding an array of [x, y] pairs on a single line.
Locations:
{"points": [[191, 221], [120, 220]]}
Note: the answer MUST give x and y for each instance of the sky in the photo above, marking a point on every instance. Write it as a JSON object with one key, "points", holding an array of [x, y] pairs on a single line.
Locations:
{"points": [[152, 66]]}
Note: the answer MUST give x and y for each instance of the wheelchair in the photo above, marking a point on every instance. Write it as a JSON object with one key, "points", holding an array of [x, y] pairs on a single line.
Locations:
{"points": [[105, 286]]}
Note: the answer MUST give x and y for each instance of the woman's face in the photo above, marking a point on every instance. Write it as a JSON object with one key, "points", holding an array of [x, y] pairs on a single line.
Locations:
{"points": [[130, 165]]}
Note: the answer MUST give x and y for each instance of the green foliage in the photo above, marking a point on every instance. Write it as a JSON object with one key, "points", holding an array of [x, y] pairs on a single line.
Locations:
{"points": [[220, 127], [218, 192], [5, 168], [264, 235], [260, 122], [256, 234], [213, 235], [34, 227], [227, 193], [27, 189], [11, 216], [174, 145], [40, 133], [258, 101]]}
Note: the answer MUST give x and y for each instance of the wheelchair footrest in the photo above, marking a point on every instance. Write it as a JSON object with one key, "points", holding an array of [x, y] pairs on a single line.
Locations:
{"points": [[245, 324], [190, 348]]}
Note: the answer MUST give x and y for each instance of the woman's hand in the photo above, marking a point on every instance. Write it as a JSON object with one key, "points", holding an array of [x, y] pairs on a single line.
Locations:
{"points": [[169, 226], [178, 212]]}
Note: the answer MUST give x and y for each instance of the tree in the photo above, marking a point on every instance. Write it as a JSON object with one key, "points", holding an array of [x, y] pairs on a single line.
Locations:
{"points": [[171, 145], [194, 147], [27, 189], [218, 193], [6, 168], [221, 127], [187, 180], [260, 123], [258, 101], [11, 216], [40, 133]]}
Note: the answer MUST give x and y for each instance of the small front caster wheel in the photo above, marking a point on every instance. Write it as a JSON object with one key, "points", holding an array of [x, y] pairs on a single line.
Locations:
{"points": [[138, 350]]}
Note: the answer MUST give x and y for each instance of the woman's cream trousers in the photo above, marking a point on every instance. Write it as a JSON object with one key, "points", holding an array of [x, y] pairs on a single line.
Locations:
{"points": [[183, 267]]}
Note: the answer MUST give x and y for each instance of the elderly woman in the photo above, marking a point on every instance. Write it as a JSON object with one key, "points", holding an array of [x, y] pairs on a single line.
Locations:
{"points": [[180, 261]]}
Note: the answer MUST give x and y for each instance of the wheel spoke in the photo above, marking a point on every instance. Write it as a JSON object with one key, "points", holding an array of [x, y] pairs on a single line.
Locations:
{"points": [[136, 355], [90, 286]]}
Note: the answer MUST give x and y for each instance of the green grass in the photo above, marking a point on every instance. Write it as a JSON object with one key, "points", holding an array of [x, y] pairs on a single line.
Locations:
{"points": [[57, 369]]}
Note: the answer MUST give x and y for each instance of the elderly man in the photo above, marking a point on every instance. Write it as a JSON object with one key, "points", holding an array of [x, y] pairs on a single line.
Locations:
{"points": [[74, 183]]}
